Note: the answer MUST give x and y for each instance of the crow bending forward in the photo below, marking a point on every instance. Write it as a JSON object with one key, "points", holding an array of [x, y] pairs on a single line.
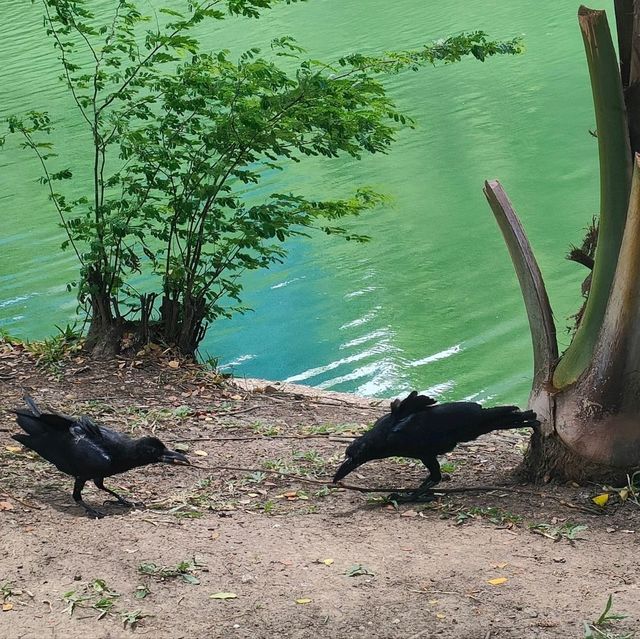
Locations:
{"points": [[420, 428], [79, 447]]}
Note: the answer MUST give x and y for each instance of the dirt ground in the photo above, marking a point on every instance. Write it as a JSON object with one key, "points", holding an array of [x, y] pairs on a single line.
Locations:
{"points": [[247, 553]]}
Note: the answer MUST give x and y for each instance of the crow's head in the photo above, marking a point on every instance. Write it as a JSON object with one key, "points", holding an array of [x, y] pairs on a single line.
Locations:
{"points": [[150, 450], [369, 446]]}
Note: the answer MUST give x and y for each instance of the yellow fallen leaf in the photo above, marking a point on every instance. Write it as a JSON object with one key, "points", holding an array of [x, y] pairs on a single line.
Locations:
{"points": [[433, 601], [200, 453], [327, 562], [223, 595], [13, 449], [601, 500], [440, 615], [624, 493], [497, 581], [304, 600], [7, 606], [501, 565]]}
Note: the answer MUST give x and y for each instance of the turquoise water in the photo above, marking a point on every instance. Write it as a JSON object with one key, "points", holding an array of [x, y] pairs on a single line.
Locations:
{"points": [[432, 301]]}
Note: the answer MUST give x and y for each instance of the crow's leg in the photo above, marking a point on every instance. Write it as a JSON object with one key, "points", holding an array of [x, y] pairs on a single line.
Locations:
{"points": [[423, 491], [435, 475], [121, 500], [77, 496]]}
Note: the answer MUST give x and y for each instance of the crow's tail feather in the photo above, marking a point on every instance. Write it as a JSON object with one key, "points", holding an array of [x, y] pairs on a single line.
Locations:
{"points": [[507, 417], [33, 421], [33, 407]]}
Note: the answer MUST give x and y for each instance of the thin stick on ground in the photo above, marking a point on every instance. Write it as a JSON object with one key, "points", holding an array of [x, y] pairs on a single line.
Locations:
{"points": [[364, 489]]}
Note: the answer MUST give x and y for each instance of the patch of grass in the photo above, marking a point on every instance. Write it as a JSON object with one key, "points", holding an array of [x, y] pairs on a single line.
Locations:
{"points": [[102, 598], [73, 599], [567, 530], [142, 591], [7, 338], [148, 419], [256, 478], [448, 467], [269, 507], [630, 492], [601, 628], [132, 617], [288, 466], [332, 429], [495, 515], [51, 352], [266, 430], [184, 570], [358, 570], [325, 491]]}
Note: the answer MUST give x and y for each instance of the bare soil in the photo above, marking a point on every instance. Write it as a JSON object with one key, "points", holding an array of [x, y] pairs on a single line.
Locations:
{"points": [[302, 559]]}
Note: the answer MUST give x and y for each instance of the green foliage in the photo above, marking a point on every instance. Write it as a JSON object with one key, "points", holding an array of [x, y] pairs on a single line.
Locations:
{"points": [[178, 137], [495, 515], [51, 352], [601, 629], [556, 532], [184, 570]]}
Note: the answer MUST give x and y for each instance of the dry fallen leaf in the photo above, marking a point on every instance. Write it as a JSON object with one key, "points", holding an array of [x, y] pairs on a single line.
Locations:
{"points": [[6, 505], [440, 615], [504, 564], [7, 606], [601, 500], [223, 595], [304, 600], [327, 562], [173, 364], [200, 453], [497, 581], [409, 513], [13, 449]]}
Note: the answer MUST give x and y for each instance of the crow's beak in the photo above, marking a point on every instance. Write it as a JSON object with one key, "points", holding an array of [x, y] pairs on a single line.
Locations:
{"points": [[174, 457], [347, 466]]}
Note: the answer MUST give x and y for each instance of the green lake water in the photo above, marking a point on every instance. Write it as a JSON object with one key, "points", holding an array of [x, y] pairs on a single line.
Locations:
{"points": [[432, 301]]}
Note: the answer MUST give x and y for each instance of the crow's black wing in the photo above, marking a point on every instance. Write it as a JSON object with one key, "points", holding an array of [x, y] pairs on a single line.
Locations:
{"points": [[413, 403]]}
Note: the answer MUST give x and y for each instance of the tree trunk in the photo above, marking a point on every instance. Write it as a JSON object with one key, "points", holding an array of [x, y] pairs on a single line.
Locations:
{"points": [[588, 400], [182, 323], [105, 330], [590, 429]]}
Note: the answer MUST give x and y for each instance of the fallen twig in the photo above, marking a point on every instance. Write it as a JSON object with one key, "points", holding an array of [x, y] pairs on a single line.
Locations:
{"points": [[20, 501], [364, 489], [259, 437]]}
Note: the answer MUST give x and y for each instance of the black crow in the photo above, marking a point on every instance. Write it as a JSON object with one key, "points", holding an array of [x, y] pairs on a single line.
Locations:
{"points": [[79, 447], [420, 428]]}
